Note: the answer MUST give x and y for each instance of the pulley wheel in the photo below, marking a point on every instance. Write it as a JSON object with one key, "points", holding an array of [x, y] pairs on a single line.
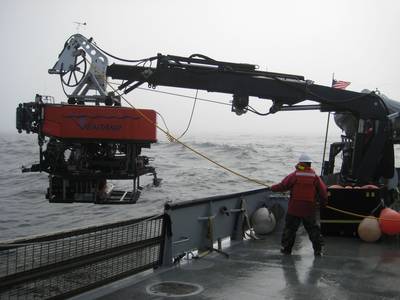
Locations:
{"points": [[75, 75]]}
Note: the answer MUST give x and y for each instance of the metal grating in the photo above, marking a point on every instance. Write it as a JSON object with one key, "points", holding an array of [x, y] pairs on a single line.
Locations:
{"points": [[67, 263]]}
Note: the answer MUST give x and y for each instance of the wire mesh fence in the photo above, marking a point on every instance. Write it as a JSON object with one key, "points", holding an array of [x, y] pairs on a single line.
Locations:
{"points": [[71, 262]]}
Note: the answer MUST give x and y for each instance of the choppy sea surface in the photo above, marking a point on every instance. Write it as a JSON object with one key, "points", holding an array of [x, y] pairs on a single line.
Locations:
{"points": [[25, 211]]}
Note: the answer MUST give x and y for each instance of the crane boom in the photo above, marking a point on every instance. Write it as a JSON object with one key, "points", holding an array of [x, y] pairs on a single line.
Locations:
{"points": [[368, 153], [243, 80]]}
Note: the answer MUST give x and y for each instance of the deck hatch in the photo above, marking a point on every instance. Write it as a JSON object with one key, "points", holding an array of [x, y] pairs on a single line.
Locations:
{"points": [[174, 289]]}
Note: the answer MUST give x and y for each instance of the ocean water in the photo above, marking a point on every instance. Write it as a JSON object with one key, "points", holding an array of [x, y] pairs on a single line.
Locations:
{"points": [[25, 211]]}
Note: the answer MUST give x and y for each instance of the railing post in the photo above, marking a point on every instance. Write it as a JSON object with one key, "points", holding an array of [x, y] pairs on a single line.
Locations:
{"points": [[238, 233], [166, 246]]}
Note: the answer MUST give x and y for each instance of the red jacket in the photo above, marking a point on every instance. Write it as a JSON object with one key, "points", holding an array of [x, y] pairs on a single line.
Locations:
{"points": [[304, 186]]}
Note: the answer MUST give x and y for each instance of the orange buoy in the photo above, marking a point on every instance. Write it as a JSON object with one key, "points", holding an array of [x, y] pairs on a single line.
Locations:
{"points": [[336, 186], [369, 230], [389, 221]]}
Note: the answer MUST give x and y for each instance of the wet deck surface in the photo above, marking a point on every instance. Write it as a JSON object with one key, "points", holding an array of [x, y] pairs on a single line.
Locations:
{"points": [[350, 269]]}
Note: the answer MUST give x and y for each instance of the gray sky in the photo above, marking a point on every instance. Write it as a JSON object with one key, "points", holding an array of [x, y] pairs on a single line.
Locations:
{"points": [[358, 40]]}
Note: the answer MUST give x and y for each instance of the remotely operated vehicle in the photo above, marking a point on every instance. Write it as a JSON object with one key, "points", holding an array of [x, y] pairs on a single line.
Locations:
{"points": [[92, 138]]}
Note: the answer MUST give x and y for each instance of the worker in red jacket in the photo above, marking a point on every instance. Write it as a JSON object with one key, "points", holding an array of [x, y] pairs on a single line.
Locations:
{"points": [[305, 187]]}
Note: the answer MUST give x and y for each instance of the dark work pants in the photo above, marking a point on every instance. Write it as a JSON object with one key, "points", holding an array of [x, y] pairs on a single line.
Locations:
{"points": [[311, 226]]}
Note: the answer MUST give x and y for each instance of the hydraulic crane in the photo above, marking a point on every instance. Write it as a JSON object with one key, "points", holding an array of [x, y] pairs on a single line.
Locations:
{"points": [[369, 120], [111, 148]]}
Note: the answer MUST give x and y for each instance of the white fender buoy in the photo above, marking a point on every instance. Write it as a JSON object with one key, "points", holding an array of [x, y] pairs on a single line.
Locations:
{"points": [[263, 221], [369, 230]]}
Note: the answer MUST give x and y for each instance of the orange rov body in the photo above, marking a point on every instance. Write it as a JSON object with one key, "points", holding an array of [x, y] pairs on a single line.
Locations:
{"points": [[99, 123]]}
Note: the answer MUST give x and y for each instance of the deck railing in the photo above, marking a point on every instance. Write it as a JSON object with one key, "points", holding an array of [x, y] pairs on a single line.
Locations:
{"points": [[68, 263], [64, 264]]}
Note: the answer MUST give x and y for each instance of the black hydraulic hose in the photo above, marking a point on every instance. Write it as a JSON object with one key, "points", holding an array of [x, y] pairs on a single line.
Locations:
{"points": [[191, 116], [251, 109], [201, 56], [123, 59]]}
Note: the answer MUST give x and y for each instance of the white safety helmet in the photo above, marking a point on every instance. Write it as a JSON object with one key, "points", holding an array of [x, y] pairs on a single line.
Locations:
{"points": [[305, 158]]}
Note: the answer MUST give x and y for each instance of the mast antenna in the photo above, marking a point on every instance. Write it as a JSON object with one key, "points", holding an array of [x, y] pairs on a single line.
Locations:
{"points": [[79, 25]]}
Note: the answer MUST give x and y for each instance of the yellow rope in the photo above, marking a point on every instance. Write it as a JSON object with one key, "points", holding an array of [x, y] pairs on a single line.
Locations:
{"points": [[350, 213], [174, 139], [359, 215]]}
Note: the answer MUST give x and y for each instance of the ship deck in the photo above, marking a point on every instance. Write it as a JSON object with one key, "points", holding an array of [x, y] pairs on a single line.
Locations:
{"points": [[255, 269]]}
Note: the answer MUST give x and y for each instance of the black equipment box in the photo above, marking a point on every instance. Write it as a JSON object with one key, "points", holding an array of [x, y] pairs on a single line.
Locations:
{"points": [[359, 201]]}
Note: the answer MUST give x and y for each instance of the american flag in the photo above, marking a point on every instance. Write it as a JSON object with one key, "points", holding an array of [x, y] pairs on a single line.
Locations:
{"points": [[339, 84]]}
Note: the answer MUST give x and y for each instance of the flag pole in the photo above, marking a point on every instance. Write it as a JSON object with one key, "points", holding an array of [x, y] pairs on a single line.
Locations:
{"points": [[326, 133]]}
